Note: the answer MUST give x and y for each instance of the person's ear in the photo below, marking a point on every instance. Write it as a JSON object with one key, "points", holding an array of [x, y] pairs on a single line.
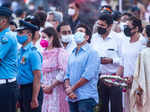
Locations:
{"points": [[30, 36], [86, 37], [3, 21], [136, 28], [109, 27]]}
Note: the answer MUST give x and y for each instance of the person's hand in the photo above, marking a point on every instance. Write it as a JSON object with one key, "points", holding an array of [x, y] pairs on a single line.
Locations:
{"points": [[72, 96], [129, 81], [43, 86], [105, 60], [138, 100], [47, 89], [107, 84], [138, 96], [69, 90], [17, 104], [34, 103]]}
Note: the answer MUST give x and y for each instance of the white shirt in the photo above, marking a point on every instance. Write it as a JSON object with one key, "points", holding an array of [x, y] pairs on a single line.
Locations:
{"points": [[143, 39], [110, 47], [129, 54], [37, 44]]}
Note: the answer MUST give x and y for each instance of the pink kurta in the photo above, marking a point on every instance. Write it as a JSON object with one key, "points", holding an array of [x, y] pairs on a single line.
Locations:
{"points": [[54, 66]]}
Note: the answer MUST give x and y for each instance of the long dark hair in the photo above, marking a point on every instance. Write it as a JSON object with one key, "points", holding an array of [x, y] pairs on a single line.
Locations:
{"points": [[52, 32]]}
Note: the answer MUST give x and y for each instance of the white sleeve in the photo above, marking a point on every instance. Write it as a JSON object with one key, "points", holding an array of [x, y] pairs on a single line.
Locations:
{"points": [[60, 76]]}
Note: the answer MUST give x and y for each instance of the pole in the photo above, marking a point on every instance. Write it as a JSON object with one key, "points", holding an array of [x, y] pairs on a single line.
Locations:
{"points": [[120, 5]]}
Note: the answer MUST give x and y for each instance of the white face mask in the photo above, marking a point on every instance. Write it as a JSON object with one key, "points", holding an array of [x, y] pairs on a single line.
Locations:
{"points": [[122, 26], [48, 24], [148, 8], [146, 39], [79, 37], [31, 7], [71, 12], [66, 38]]}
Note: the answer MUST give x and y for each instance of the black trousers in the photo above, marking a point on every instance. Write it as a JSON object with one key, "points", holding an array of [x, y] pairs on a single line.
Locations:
{"points": [[26, 97], [112, 94], [8, 97]]}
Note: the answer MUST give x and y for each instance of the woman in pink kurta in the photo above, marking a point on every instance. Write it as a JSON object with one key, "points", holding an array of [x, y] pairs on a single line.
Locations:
{"points": [[54, 66]]}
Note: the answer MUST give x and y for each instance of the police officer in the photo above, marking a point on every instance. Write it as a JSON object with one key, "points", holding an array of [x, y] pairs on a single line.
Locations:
{"points": [[29, 63], [8, 63]]}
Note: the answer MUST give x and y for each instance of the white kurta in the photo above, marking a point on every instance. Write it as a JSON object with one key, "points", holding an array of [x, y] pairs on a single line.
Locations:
{"points": [[142, 80], [129, 52]]}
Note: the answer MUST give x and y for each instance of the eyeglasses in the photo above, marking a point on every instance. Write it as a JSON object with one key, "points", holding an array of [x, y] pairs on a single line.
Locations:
{"points": [[66, 32]]}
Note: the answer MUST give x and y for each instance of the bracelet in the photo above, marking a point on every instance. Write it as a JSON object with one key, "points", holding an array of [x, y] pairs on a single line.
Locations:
{"points": [[137, 92]]}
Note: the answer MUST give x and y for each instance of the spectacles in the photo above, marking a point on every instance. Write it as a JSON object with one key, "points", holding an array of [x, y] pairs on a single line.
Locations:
{"points": [[66, 32]]}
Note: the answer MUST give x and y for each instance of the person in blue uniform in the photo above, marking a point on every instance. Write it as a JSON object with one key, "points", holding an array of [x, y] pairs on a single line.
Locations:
{"points": [[29, 63], [8, 63]]}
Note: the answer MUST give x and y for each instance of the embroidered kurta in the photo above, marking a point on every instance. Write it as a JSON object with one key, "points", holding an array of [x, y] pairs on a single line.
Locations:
{"points": [[54, 67], [141, 80]]}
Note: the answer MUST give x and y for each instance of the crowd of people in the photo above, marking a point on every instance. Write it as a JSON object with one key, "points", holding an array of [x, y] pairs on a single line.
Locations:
{"points": [[52, 63]]}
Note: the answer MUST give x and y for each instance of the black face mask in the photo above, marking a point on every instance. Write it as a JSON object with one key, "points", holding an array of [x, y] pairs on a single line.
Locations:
{"points": [[101, 30], [127, 31]]}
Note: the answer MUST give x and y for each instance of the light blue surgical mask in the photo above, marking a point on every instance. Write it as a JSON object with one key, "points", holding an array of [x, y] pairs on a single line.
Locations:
{"points": [[22, 39], [79, 37]]}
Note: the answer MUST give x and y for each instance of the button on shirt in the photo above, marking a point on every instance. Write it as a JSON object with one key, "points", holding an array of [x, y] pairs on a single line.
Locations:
{"points": [[84, 64], [8, 54], [109, 47], [29, 61]]}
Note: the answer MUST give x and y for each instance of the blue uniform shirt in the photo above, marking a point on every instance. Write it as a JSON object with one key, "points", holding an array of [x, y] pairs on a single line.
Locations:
{"points": [[84, 64], [29, 61], [8, 54]]}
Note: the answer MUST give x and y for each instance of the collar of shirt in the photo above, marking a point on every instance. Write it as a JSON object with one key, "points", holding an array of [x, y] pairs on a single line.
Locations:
{"points": [[84, 48], [4, 31], [68, 45], [28, 46], [107, 38], [76, 21], [71, 44]]}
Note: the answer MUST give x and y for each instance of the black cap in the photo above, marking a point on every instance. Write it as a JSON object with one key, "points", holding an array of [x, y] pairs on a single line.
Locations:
{"points": [[26, 25], [33, 20], [106, 9], [19, 12], [4, 11], [116, 15]]}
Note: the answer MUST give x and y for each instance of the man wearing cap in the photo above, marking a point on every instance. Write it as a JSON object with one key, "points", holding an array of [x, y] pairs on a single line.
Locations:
{"points": [[8, 63], [8, 66], [29, 75]]}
